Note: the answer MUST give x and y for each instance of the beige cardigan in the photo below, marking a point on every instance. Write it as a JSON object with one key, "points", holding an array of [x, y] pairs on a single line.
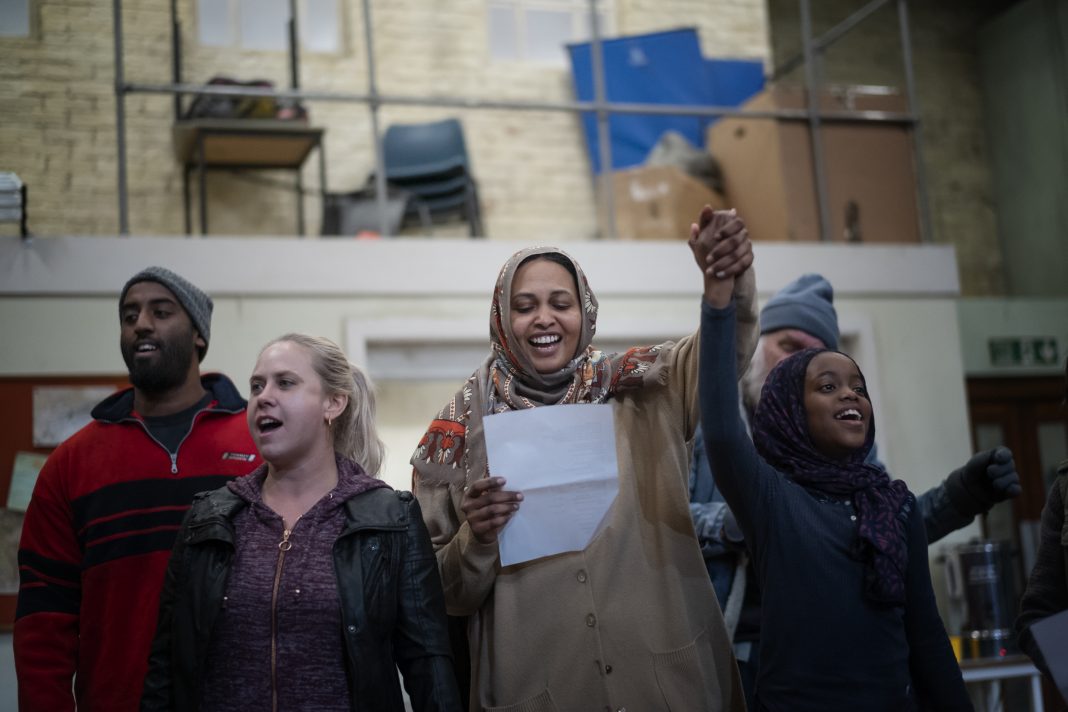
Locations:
{"points": [[629, 623]]}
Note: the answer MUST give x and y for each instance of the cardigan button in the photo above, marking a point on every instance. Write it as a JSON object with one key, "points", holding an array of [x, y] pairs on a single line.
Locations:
{"points": [[591, 620], [581, 575], [351, 628]]}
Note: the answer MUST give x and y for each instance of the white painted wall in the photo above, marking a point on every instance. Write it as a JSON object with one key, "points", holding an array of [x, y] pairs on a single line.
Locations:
{"points": [[58, 311]]}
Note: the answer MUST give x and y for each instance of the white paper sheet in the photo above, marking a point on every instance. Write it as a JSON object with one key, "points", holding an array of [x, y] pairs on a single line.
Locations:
{"points": [[563, 459]]}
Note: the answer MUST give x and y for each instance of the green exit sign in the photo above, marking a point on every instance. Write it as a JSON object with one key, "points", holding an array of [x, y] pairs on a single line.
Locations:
{"points": [[1024, 351]]}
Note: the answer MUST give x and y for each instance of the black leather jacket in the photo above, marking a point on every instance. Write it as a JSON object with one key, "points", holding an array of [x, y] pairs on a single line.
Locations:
{"points": [[393, 619]]}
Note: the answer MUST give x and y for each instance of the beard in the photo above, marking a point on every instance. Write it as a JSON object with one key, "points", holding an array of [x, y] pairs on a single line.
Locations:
{"points": [[171, 370], [753, 380]]}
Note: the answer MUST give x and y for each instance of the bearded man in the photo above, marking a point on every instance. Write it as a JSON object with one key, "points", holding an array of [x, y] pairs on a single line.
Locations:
{"points": [[109, 501]]}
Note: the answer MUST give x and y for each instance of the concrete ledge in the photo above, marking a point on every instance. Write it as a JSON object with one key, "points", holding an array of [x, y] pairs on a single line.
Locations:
{"points": [[420, 266]]}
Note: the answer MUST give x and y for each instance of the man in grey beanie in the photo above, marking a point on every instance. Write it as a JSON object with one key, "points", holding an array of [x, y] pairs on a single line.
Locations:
{"points": [[197, 305], [801, 316], [157, 361], [106, 507]]}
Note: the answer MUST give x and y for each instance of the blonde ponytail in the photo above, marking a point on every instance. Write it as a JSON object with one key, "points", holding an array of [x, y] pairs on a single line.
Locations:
{"points": [[355, 430]]}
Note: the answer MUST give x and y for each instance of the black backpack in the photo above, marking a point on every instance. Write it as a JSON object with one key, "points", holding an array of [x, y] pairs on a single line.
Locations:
{"points": [[213, 106]]}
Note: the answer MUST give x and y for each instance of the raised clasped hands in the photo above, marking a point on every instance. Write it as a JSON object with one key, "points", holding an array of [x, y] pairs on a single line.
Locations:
{"points": [[720, 244], [488, 507]]}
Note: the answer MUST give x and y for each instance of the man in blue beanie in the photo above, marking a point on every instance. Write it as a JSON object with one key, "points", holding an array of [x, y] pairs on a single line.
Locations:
{"points": [[800, 316], [109, 501]]}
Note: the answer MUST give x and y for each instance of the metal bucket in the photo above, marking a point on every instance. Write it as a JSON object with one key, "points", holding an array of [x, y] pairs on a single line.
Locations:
{"points": [[981, 578]]}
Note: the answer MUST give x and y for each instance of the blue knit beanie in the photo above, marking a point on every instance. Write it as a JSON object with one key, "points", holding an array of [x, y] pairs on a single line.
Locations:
{"points": [[806, 304]]}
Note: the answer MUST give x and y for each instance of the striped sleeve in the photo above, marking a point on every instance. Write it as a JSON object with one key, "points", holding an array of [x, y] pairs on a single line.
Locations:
{"points": [[46, 618]]}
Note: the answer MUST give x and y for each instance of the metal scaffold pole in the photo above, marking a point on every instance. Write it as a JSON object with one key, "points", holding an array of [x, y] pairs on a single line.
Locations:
{"points": [[813, 113], [120, 119]]}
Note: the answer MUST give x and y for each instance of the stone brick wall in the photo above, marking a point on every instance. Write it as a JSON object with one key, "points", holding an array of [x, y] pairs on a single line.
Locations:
{"points": [[58, 125], [956, 160], [58, 128]]}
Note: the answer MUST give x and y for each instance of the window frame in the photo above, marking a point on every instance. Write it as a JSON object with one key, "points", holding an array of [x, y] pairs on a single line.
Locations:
{"points": [[234, 38], [580, 29], [32, 24]]}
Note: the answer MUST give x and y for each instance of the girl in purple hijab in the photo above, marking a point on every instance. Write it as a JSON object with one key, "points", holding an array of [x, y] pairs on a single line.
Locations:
{"points": [[849, 619], [784, 432]]}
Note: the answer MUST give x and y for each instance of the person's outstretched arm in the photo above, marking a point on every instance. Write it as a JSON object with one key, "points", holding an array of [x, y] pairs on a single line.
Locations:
{"points": [[732, 457], [987, 478], [740, 474]]}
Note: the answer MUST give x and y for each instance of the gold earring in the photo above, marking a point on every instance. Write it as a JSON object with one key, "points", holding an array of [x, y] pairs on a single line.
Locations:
{"points": [[329, 421]]}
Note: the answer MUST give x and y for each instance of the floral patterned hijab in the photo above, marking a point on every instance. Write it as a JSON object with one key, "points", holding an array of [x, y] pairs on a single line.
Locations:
{"points": [[452, 450], [781, 436]]}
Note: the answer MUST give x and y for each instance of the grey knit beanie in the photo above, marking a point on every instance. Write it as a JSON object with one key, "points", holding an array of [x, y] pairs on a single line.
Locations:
{"points": [[197, 304], [806, 304]]}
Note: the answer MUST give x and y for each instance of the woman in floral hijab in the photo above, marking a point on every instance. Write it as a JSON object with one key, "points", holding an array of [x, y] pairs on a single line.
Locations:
{"points": [[631, 620]]}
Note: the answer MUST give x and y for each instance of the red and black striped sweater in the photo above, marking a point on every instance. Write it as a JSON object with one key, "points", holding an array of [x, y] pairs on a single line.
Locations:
{"points": [[95, 544]]}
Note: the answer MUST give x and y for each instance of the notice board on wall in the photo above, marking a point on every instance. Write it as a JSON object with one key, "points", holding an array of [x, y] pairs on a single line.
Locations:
{"points": [[39, 412]]}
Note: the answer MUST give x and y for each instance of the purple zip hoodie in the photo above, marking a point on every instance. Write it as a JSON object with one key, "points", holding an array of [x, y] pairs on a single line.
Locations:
{"points": [[277, 641]]}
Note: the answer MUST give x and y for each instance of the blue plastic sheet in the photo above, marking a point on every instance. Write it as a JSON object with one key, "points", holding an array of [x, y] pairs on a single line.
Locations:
{"points": [[659, 68]]}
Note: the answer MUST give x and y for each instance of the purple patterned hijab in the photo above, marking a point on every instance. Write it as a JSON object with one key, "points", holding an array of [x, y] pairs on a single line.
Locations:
{"points": [[781, 436]]}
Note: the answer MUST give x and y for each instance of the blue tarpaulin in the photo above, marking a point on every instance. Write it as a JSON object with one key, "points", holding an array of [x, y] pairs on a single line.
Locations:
{"points": [[659, 68]]}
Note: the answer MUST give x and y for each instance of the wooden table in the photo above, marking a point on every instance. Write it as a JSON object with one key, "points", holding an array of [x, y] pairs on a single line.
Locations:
{"points": [[244, 144]]}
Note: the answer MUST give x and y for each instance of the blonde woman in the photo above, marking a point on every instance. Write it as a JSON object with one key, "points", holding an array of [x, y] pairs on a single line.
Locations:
{"points": [[308, 583]]}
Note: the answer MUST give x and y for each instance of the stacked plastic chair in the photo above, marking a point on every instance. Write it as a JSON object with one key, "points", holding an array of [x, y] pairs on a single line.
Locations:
{"points": [[430, 162], [356, 213], [13, 201]]}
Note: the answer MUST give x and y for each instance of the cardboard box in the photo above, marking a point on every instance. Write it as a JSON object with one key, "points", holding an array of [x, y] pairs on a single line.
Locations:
{"points": [[659, 202], [767, 170]]}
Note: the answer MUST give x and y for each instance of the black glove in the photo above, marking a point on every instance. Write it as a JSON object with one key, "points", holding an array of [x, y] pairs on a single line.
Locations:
{"points": [[987, 478]]}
